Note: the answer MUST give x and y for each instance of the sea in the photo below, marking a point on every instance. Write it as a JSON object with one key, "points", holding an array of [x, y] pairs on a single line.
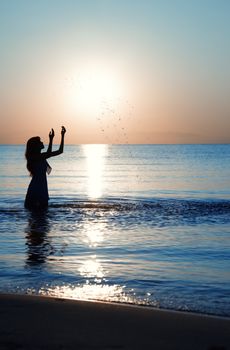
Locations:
{"points": [[139, 224]]}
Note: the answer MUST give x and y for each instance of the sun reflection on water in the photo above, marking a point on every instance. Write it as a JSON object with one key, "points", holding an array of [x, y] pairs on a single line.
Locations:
{"points": [[102, 292], [95, 287], [92, 268], [95, 158], [94, 233]]}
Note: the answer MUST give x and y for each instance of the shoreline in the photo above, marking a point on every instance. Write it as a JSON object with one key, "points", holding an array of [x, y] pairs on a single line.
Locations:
{"points": [[39, 322]]}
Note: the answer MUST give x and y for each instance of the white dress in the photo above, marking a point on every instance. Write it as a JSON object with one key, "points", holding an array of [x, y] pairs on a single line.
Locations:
{"points": [[37, 194]]}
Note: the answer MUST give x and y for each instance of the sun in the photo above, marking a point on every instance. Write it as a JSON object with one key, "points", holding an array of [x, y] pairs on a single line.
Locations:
{"points": [[95, 89]]}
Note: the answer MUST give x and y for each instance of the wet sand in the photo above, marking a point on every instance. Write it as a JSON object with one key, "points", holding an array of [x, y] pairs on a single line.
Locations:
{"points": [[30, 322]]}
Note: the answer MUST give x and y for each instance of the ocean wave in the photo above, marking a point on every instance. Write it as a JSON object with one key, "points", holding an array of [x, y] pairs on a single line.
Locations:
{"points": [[155, 211], [171, 211], [172, 206]]}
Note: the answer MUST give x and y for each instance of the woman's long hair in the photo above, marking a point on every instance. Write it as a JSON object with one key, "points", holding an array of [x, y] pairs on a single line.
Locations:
{"points": [[33, 148]]}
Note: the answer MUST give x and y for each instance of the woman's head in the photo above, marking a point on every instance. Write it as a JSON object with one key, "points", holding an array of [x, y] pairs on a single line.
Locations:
{"points": [[33, 148]]}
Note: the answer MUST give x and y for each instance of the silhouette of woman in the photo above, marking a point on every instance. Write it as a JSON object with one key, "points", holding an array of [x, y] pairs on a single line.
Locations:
{"points": [[37, 194]]}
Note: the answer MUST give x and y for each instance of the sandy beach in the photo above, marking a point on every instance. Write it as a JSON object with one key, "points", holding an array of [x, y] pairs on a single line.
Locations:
{"points": [[31, 322]]}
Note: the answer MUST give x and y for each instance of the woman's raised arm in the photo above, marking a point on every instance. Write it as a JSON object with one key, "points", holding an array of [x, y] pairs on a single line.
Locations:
{"points": [[49, 152], [51, 136]]}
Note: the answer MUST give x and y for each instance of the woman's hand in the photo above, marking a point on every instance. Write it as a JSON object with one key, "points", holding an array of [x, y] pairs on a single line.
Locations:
{"points": [[51, 134], [63, 131]]}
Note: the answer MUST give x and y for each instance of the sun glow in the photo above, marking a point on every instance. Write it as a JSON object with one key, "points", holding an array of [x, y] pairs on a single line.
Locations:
{"points": [[94, 90]]}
